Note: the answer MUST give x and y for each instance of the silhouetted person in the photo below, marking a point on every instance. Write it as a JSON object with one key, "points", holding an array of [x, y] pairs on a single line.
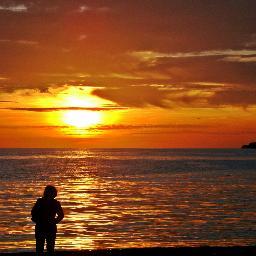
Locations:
{"points": [[46, 213]]}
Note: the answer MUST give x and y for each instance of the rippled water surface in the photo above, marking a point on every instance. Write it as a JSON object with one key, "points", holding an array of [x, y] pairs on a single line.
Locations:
{"points": [[131, 197]]}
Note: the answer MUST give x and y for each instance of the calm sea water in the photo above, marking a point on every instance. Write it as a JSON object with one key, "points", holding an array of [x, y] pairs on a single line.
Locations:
{"points": [[119, 198]]}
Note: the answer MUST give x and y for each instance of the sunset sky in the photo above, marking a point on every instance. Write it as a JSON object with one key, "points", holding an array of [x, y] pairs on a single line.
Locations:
{"points": [[124, 73]]}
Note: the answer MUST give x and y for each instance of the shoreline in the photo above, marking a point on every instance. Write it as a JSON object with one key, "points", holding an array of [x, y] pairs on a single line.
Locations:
{"points": [[155, 251]]}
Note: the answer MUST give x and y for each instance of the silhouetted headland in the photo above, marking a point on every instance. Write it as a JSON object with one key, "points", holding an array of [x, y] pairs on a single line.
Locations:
{"points": [[250, 145], [175, 251]]}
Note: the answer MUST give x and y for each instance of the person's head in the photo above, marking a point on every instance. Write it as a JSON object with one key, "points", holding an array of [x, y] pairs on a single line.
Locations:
{"points": [[50, 192]]}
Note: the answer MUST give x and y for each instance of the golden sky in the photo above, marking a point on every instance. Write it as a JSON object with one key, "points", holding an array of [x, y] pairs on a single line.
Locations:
{"points": [[159, 73]]}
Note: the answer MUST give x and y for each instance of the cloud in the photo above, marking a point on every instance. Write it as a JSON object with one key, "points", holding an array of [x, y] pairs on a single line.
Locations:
{"points": [[241, 98], [27, 42], [239, 71], [99, 128], [252, 41], [121, 76], [204, 95], [20, 41], [151, 56], [240, 59], [199, 131], [146, 126], [169, 97], [83, 8], [14, 8], [3, 78], [34, 126], [104, 9], [218, 50], [82, 37], [69, 75], [135, 96], [66, 109]]}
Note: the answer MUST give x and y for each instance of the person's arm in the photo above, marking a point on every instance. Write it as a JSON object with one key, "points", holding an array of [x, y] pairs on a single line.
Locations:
{"points": [[60, 213], [34, 211]]}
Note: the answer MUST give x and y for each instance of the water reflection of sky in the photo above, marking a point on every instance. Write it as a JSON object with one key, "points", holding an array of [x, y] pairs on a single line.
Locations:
{"points": [[119, 202]]}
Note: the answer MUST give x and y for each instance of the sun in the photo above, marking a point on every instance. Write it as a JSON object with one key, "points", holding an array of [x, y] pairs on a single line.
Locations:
{"points": [[80, 111], [81, 118], [81, 99]]}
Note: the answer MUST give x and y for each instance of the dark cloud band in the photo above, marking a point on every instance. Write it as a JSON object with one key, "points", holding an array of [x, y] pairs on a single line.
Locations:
{"points": [[67, 109]]}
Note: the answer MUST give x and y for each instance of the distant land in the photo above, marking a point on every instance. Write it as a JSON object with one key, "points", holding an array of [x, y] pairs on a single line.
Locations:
{"points": [[250, 145]]}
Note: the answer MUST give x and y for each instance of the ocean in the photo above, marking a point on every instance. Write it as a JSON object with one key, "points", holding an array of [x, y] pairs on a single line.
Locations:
{"points": [[123, 198]]}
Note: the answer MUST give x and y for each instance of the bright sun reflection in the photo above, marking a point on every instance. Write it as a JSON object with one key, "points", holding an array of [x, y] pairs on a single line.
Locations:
{"points": [[81, 118]]}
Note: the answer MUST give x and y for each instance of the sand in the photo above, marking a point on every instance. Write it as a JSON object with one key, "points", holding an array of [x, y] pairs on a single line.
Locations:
{"points": [[181, 251]]}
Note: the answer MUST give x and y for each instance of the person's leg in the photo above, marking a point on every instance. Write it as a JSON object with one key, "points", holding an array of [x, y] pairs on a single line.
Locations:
{"points": [[50, 240], [40, 238]]}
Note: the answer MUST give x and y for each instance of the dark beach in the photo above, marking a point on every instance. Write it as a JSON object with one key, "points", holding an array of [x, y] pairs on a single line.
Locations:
{"points": [[178, 251]]}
